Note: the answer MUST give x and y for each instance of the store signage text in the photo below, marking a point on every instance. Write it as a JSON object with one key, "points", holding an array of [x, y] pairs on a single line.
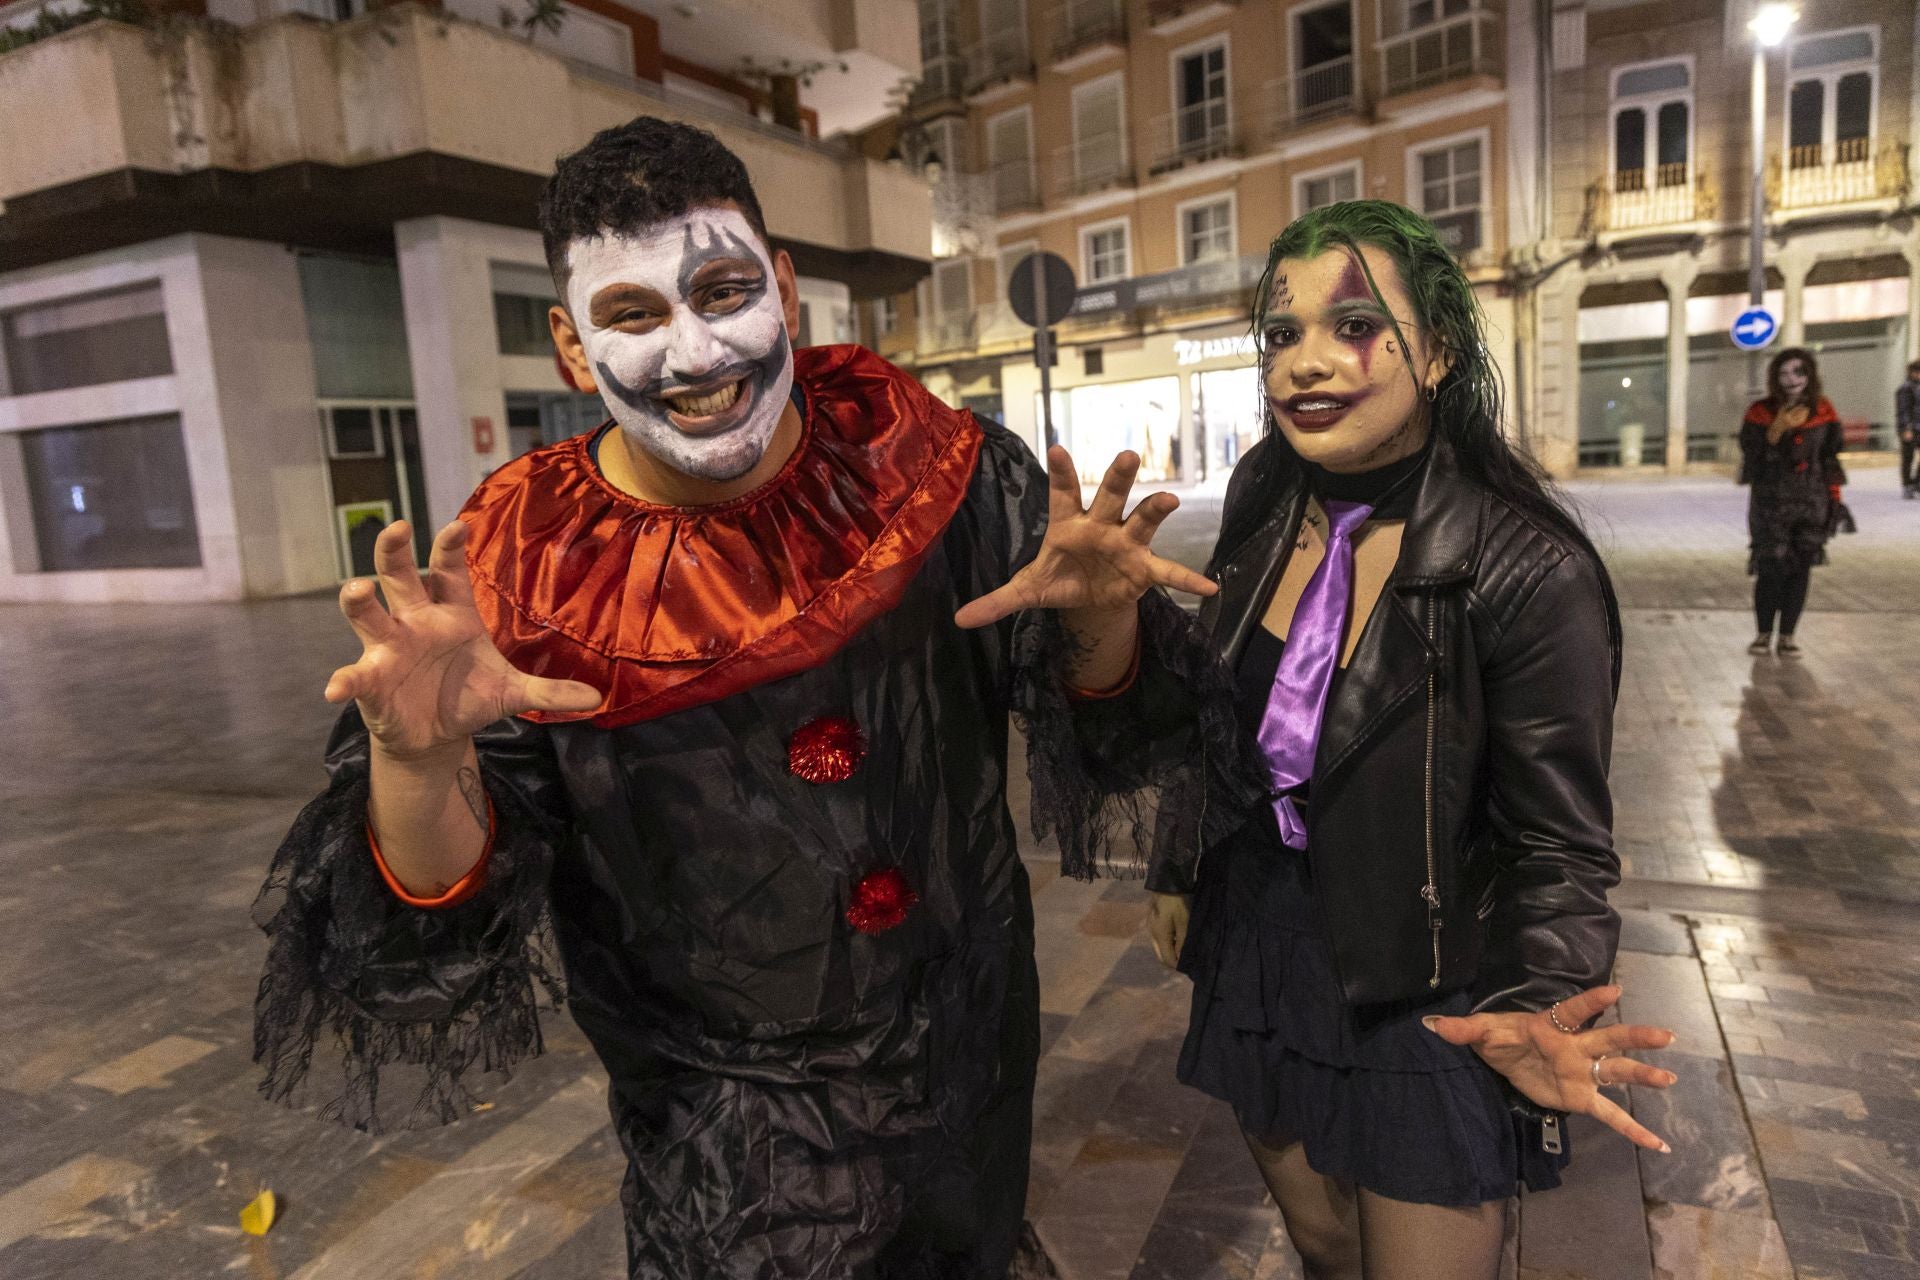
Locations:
{"points": [[1200, 282], [1187, 352]]}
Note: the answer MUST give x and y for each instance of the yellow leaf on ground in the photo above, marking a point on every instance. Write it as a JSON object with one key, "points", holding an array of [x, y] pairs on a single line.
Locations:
{"points": [[257, 1218]]}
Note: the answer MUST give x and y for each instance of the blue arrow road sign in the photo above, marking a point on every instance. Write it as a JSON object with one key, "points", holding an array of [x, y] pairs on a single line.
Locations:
{"points": [[1754, 328]]}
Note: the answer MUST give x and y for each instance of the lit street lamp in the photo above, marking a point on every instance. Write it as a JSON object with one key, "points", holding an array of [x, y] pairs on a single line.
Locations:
{"points": [[1769, 27]]}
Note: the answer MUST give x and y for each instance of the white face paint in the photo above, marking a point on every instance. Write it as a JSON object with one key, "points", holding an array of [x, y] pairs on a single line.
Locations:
{"points": [[685, 333]]}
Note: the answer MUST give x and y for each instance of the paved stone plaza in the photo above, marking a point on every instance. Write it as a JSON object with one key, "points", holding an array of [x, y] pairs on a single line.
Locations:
{"points": [[1768, 816]]}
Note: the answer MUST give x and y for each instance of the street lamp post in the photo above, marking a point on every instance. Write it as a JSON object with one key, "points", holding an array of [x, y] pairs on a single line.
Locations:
{"points": [[1769, 27]]}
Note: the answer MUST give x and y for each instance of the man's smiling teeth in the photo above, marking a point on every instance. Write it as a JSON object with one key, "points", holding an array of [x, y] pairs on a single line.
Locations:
{"points": [[707, 405]]}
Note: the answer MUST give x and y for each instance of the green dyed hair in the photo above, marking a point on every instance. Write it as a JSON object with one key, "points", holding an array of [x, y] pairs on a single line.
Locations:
{"points": [[1468, 407]]}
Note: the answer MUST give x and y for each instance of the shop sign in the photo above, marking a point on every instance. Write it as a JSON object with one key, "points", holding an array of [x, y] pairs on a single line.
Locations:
{"points": [[1197, 283], [1186, 351], [1460, 232]]}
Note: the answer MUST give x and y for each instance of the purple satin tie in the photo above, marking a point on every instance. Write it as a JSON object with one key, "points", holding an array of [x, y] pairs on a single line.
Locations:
{"points": [[1290, 729]]}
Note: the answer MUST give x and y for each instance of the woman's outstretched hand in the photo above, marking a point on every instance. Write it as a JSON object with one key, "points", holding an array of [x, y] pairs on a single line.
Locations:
{"points": [[1556, 1069], [1095, 557], [429, 677]]}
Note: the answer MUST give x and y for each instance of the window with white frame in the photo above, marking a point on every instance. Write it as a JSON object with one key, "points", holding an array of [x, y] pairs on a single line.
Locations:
{"points": [[1007, 258], [84, 341], [1448, 187], [1010, 158], [1200, 98], [1653, 126], [1103, 253], [1206, 231], [1318, 190], [1424, 13], [1830, 104], [886, 316]]}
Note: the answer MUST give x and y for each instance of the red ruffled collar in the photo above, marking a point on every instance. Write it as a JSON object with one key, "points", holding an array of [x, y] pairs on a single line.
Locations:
{"points": [[664, 608]]}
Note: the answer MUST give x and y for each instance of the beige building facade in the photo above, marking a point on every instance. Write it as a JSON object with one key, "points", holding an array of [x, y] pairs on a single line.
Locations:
{"points": [[1158, 147], [269, 272], [1641, 265]]}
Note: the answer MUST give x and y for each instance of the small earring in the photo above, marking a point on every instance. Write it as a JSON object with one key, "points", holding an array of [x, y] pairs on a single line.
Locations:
{"points": [[1432, 392]]}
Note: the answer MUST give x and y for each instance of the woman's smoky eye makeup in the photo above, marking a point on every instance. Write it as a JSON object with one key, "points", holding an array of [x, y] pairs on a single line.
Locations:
{"points": [[1358, 323]]}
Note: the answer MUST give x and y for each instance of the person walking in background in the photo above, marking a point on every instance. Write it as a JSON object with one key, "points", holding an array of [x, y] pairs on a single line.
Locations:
{"points": [[1906, 423], [1790, 458]]}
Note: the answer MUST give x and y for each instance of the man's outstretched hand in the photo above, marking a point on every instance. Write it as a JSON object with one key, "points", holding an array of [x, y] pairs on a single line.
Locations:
{"points": [[429, 676], [1094, 557]]}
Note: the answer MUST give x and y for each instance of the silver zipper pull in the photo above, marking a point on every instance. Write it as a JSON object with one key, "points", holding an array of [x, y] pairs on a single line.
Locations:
{"points": [[1550, 1136]]}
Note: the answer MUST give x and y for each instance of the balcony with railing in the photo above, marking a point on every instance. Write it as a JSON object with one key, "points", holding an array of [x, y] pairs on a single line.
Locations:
{"points": [[1194, 135], [1165, 17], [1330, 91], [1454, 48], [1092, 164], [1003, 60], [1671, 195], [943, 81], [1838, 173], [1013, 186], [1078, 30]]}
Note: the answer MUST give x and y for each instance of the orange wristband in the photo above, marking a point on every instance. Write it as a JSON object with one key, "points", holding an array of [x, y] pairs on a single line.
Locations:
{"points": [[1075, 694], [462, 889]]}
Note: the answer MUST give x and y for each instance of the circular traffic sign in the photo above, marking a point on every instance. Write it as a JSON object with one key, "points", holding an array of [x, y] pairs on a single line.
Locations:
{"points": [[1057, 289], [1754, 328]]}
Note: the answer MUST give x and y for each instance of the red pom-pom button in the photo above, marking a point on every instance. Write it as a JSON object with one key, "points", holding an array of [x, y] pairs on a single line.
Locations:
{"points": [[828, 749], [881, 901]]}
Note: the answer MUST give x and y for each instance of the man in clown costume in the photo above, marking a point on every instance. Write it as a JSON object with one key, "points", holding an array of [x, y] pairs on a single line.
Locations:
{"points": [[684, 700]]}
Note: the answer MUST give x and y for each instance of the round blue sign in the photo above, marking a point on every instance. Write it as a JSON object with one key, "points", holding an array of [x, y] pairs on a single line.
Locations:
{"points": [[1754, 328]]}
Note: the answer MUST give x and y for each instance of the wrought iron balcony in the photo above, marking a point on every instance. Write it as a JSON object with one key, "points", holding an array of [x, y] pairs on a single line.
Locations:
{"points": [[1672, 195], [1003, 58], [1455, 48], [1194, 135], [1843, 172], [1079, 27], [1014, 184], [1329, 91], [1165, 16], [1092, 164], [943, 79]]}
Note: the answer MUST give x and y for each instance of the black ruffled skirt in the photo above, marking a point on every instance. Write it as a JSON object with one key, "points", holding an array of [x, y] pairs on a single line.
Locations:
{"points": [[1377, 1099]]}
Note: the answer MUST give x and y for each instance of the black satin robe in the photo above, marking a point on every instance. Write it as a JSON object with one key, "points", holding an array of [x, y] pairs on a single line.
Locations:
{"points": [[797, 1099]]}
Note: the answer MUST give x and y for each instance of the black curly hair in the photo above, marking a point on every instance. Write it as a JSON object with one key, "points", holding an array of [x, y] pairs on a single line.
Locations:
{"points": [[634, 175]]}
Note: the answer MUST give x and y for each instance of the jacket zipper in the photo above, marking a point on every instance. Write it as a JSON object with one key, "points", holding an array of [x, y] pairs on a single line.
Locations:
{"points": [[1431, 892]]}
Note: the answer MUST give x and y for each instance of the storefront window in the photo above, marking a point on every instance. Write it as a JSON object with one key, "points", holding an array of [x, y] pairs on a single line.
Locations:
{"points": [[1623, 403], [111, 495], [1226, 413], [1098, 421], [86, 341]]}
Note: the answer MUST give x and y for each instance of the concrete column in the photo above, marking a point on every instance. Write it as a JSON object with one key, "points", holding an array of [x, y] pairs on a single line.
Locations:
{"points": [[446, 289], [1912, 253], [1793, 277], [1678, 279], [1554, 435]]}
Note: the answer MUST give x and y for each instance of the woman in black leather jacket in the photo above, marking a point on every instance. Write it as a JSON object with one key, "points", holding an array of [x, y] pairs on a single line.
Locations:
{"points": [[1381, 765]]}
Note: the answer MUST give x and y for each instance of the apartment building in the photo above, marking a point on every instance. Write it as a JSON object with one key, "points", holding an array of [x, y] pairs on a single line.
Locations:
{"points": [[1158, 146], [1643, 256], [269, 276]]}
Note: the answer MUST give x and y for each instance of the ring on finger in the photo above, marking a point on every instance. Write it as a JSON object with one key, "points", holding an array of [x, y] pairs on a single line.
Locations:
{"points": [[1594, 1070], [1553, 1016]]}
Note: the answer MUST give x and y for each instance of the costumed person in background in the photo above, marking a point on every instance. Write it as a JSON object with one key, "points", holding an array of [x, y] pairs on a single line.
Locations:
{"points": [[1790, 458], [1383, 759], [686, 691], [1906, 425]]}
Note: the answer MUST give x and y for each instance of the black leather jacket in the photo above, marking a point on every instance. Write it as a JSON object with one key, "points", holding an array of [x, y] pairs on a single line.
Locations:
{"points": [[1460, 826]]}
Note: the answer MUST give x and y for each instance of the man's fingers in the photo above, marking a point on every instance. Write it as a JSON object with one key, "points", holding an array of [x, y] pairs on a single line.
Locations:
{"points": [[1591, 1003], [995, 605], [1063, 486], [537, 693], [1628, 1071], [1110, 499], [1177, 577], [447, 576], [1610, 1114], [363, 612], [1622, 1037], [343, 685], [1146, 518], [393, 561]]}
